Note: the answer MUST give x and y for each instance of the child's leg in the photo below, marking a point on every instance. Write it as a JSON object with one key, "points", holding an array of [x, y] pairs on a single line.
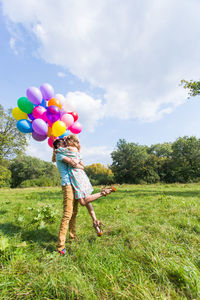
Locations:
{"points": [[93, 197], [96, 224]]}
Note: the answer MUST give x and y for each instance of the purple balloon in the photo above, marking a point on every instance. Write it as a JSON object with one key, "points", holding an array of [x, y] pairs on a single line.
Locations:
{"points": [[34, 95], [47, 91], [38, 137], [40, 126], [53, 113], [31, 117]]}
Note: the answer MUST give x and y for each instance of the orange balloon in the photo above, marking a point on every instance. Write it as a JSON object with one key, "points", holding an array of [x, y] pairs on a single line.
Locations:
{"points": [[49, 132], [55, 101]]}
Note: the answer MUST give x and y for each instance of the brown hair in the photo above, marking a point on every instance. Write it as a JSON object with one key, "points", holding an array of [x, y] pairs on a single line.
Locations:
{"points": [[72, 140]]}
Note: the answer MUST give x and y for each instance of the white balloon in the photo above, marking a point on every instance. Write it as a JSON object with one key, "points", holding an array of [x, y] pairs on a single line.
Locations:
{"points": [[60, 97]]}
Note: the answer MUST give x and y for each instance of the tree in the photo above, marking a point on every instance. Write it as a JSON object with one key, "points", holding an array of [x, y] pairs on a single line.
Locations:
{"points": [[192, 86], [161, 150], [24, 168], [186, 159], [99, 174], [129, 162], [12, 141]]}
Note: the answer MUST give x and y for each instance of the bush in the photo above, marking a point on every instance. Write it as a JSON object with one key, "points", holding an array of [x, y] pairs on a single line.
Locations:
{"points": [[41, 181], [5, 177], [99, 174]]}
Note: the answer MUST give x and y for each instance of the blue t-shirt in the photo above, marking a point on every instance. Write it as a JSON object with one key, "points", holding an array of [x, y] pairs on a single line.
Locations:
{"points": [[63, 169]]}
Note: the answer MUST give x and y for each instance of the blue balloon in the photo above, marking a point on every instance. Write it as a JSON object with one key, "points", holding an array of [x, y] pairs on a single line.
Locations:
{"points": [[24, 126], [43, 103], [66, 133]]}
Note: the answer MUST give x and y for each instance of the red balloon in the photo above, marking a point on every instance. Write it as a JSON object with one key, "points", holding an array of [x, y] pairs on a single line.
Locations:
{"points": [[74, 114]]}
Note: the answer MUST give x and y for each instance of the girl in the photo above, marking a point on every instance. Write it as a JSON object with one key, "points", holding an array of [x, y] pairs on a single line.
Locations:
{"points": [[81, 184]]}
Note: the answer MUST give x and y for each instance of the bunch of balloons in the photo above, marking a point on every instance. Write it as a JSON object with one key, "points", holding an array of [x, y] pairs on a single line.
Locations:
{"points": [[42, 114]]}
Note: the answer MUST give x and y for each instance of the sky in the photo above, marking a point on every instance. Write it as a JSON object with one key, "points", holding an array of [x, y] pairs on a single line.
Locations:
{"points": [[118, 64]]}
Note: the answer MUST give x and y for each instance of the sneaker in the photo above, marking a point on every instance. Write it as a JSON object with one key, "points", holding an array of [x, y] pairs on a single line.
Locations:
{"points": [[62, 252]]}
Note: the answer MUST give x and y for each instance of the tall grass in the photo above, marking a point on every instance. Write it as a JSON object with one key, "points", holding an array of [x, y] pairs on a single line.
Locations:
{"points": [[149, 250]]}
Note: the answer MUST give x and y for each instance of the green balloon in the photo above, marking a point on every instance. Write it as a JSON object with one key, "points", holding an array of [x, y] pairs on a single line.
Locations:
{"points": [[25, 105]]}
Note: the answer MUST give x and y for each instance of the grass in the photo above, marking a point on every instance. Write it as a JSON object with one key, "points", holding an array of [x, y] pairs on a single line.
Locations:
{"points": [[150, 248]]}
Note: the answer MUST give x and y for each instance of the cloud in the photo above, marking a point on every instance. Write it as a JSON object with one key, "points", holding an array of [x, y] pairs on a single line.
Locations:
{"points": [[13, 45], [136, 51], [61, 74], [90, 110]]}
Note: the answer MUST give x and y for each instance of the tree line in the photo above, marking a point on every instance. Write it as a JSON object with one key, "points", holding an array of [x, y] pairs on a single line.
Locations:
{"points": [[168, 162]]}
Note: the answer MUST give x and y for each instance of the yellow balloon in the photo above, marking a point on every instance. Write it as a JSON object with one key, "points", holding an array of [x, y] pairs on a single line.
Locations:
{"points": [[18, 114], [58, 128]]}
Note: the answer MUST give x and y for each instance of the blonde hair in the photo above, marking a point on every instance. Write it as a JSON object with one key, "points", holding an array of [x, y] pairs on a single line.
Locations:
{"points": [[72, 140]]}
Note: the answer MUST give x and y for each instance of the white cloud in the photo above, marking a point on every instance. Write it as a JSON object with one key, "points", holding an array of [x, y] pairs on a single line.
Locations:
{"points": [[90, 110], [137, 51], [61, 74], [13, 45]]}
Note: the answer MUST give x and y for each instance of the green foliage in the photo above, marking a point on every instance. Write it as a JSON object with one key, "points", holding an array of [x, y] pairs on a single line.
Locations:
{"points": [[186, 159], [168, 162], [27, 170], [12, 141], [99, 174], [128, 162], [149, 250], [45, 215], [5, 177], [193, 87]]}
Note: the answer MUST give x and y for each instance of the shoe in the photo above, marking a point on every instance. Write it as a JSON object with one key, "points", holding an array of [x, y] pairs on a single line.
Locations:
{"points": [[62, 252], [97, 227], [107, 190]]}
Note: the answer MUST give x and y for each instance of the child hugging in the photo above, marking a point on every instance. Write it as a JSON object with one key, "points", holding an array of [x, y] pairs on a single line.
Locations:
{"points": [[79, 180]]}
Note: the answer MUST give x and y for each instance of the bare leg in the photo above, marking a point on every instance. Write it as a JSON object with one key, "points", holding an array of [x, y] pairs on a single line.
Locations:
{"points": [[91, 212], [96, 224], [93, 197]]}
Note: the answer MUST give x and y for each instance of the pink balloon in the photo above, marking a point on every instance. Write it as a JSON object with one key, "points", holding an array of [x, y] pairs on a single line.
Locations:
{"points": [[76, 128], [38, 112], [67, 119], [51, 140]]}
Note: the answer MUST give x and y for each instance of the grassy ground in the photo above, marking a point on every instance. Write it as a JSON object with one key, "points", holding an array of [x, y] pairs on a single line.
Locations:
{"points": [[150, 248]]}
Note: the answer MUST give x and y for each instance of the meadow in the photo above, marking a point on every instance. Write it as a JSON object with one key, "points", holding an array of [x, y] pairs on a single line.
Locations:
{"points": [[150, 248]]}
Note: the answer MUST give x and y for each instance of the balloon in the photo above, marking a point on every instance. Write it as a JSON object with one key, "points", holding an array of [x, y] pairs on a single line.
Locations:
{"points": [[75, 128], [49, 132], [56, 102], [31, 117], [60, 97], [53, 113], [18, 114], [38, 112], [51, 140], [24, 126], [47, 91], [34, 95], [58, 128], [40, 126], [38, 137], [66, 133], [25, 105], [43, 103], [74, 114], [67, 119]]}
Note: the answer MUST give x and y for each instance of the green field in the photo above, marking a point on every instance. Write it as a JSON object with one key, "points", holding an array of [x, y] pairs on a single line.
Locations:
{"points": [[150, 248]]}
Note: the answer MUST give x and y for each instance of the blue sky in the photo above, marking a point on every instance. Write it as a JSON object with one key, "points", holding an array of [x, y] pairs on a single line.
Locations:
{"points": [[118, 63]]}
